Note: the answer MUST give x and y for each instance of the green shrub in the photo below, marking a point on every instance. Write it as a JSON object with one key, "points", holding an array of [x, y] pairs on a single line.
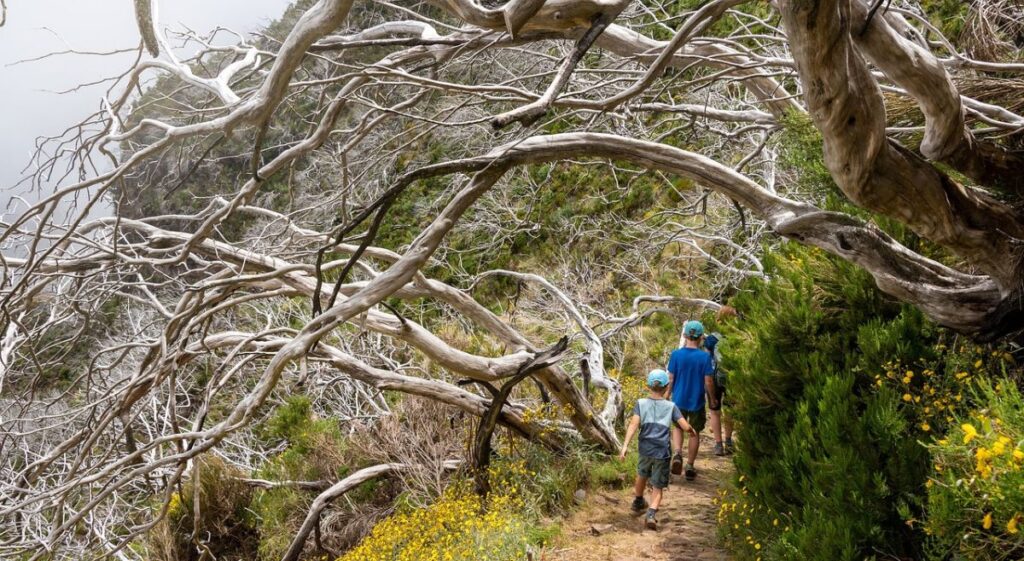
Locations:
{"points": [[840, 393], [610, 472], [829, 466], [315, 452]]}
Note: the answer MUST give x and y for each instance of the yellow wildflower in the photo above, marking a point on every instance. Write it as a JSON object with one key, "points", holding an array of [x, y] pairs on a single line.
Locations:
{"points": [[1011, 526], [970, 433], [1000, 445], [986, 522]]}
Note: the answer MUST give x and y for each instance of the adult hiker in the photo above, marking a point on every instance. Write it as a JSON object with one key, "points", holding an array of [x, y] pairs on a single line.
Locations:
{"points": [[691, 377], [716, 397], [721, 423]]}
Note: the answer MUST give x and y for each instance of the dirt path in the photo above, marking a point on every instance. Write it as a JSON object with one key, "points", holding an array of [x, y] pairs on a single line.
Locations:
{"points": [[686, 522]]}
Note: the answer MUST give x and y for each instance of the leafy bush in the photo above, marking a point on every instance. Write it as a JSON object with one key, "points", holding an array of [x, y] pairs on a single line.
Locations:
{"points": [[840, 394], [828, 461], [315, 452], [976, 492]]}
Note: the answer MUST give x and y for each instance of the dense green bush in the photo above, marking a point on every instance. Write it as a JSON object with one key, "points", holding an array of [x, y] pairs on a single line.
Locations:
{"points": [[829, 462], [315, 452], [839, 392]]}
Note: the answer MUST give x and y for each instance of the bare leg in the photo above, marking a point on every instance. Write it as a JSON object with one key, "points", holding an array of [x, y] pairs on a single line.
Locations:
{"points": [[677, 440], [691, 451], [716, 425], [656, 498], [639, 486], [728, 426]]}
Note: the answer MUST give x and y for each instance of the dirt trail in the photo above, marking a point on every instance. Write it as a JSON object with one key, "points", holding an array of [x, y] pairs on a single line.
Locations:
{"points": [[686, 521]]}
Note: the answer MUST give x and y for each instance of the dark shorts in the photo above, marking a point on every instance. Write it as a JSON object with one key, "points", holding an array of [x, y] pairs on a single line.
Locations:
{"points": [[719, 398], [697, 419], [655, 470]]}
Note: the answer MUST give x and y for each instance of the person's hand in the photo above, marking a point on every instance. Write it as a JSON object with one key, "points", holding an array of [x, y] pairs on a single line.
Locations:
{"points": [[622, 455], [689, 429]]}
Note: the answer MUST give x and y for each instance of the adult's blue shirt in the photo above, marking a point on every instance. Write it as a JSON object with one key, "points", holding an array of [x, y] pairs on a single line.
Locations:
{"points": [[688, 368]]}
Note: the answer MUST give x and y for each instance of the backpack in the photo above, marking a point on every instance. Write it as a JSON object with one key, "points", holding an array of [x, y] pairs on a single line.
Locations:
{"points": [[711, 341]]}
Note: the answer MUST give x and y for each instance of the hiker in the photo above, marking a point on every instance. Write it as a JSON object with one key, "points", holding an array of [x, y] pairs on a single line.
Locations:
{"points": [[654, 417], [720, 421], [716, 399], [690, 379]]}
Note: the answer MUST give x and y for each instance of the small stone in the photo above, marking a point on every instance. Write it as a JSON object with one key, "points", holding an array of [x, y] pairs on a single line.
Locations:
{"points": [[601, 529], [580, 495]]}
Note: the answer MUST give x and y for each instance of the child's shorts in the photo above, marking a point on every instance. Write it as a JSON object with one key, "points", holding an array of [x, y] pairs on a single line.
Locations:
{"points": [[655, 470]]}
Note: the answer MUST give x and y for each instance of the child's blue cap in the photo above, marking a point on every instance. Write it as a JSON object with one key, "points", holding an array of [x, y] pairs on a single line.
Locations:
{"points": [[693, 329], [658, 378]]}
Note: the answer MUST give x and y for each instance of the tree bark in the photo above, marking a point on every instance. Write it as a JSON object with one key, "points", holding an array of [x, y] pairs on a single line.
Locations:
{"points": [[845, 104]]}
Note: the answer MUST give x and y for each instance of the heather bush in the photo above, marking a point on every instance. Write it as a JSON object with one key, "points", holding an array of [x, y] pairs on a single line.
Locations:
{"points": [[838, 392]]}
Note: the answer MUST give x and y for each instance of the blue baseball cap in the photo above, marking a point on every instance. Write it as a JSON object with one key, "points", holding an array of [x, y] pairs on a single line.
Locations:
{"points": [[658, 378], [693, 329]]}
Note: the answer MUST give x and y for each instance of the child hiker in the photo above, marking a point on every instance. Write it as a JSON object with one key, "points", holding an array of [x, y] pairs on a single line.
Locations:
{"points": [[654, 417]]}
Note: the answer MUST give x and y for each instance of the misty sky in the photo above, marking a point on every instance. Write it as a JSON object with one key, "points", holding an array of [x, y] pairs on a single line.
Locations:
{"points": [[28, 108]]}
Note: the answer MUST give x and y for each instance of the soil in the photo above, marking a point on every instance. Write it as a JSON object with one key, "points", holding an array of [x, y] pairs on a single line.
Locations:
{"points": [[605, 529]]}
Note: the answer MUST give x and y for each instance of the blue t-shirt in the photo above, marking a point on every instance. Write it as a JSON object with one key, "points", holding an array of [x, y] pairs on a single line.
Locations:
{"points": [[688, 368], [656, 419]]}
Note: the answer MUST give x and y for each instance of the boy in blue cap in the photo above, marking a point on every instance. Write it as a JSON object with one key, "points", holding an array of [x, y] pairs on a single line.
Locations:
{"points": [[692, 376], [654, 417]]}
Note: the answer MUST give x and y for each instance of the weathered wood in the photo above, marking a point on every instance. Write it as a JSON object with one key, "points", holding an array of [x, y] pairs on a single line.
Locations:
{"points": [[145, 21], [482, 450], [518, 12]]}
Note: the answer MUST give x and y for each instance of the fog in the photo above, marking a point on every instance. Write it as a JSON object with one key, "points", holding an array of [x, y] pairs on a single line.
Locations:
{"points": [[30, 105]]}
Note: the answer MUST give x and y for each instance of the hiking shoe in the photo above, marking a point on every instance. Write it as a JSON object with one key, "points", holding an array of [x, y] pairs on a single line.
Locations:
{"points": [[677, 464], [719, 449], [639, 504], [691, 472], [729, 447], [650, 521]]}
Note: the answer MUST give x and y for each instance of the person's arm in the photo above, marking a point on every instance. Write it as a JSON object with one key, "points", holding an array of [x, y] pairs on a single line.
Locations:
{"points": [[686, 426], [668, 368], [677, 417], [634, 424]]}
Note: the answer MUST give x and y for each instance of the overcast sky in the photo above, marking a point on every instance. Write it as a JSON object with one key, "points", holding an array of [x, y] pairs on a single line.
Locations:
{"points": [[29, 109]]}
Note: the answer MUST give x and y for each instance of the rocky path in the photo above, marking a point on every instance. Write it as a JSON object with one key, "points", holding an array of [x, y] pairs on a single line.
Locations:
{"points": [[604, 529]]}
